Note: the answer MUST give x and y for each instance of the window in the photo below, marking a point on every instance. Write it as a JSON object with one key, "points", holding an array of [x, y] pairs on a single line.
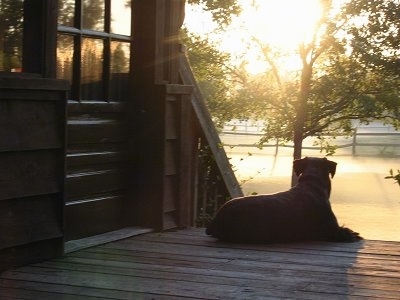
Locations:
{"points": [[93, 47], [11, 29]]}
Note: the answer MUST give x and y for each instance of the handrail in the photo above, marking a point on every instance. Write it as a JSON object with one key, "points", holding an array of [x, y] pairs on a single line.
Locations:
{"points": [[209, 131]]}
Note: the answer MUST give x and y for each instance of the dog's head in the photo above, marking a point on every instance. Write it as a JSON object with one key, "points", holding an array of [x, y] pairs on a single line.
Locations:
{"points": [[301, 165]]}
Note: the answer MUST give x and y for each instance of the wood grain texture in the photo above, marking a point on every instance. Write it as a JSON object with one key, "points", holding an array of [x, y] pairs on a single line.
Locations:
{"points": [[27, 220], [30, 173], [32, 124], [32, 158], [188, 264], [96, 169], [95, 215]]}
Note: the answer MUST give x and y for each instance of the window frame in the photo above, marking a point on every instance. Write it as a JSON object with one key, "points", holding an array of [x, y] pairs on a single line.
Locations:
{"points": [[78, 33]]}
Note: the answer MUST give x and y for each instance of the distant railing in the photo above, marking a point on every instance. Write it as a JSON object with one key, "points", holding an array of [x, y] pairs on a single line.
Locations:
{"points": [[243, 127], [380, 140], [385, 140]]}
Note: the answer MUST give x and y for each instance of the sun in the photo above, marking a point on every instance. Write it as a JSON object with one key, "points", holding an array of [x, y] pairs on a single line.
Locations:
{"points": [[281, 24]]}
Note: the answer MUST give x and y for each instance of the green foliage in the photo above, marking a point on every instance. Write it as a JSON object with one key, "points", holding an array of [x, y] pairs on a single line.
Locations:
{"points": [[395, 177], [374, 33], [221, 10], [211, 70], [350, 72], [334, 87]]}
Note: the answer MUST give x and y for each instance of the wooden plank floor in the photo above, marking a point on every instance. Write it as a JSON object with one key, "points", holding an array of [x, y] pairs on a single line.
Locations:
{"points": [[187, 264]]}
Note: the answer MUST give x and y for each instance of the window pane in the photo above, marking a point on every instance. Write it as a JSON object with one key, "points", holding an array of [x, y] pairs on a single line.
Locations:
{"points": [[119, 70], [65, 53], [121, 17], [119, 57], [66, 12], [92, 69], [93, 14], [11, 26]]}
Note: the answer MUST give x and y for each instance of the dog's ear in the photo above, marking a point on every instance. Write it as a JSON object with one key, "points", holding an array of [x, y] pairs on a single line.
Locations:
{"points": [[331, 167], [299, 165]]}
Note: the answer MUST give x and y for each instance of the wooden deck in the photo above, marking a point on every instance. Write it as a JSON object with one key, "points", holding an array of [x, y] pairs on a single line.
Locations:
{"points": [[187, 264]]}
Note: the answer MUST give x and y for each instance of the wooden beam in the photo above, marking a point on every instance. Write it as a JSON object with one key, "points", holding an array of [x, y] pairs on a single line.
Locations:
{"points": [[40, 37]]}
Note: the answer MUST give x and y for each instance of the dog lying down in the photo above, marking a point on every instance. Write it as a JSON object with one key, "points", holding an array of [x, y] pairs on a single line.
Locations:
{"points": [[302, 213]]}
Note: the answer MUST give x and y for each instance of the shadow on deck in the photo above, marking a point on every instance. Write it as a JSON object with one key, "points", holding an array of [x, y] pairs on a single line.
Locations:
{"points": [[187, 264]]}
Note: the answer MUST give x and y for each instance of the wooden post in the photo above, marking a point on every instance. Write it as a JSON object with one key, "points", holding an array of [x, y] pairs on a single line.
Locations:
{"points": [[40, 37], [353, 148]]}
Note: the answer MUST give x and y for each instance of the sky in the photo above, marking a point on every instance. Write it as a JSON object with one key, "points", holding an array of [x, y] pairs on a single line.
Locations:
{"points": [[283, 24]]}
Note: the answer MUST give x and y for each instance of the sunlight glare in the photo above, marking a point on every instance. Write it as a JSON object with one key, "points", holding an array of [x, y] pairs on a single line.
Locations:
{"points": [[284, 23]]}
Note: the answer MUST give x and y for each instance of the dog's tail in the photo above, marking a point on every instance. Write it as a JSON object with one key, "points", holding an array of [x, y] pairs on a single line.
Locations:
{"points": [[344, 234]]}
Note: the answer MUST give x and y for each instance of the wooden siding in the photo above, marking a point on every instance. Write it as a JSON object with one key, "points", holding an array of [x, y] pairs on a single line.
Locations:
{"points": [[96, 168], [178, 155], [188, 264], [32, 152], [166, 159]]}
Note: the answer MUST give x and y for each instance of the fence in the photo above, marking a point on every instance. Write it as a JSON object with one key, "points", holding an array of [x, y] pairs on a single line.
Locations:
{"points": [[365, 141]]}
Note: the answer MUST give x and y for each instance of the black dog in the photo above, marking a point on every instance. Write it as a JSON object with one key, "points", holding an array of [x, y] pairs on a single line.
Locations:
{"points": [[299, 214]]}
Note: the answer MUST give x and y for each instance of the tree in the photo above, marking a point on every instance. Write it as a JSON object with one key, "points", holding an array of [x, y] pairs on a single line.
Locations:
{"points": [[374, 35], [213, 74], [334, 86], [337, 83], [374, 31], [395, 177], [376, 38], [221, 10]]}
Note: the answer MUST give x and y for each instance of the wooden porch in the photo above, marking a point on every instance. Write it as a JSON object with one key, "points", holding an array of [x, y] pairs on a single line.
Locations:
{"points": [[187, 264]]}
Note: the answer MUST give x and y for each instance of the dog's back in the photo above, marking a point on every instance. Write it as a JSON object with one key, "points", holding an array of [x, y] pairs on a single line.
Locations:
{"points": [[301, 213], [266, 218]]}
